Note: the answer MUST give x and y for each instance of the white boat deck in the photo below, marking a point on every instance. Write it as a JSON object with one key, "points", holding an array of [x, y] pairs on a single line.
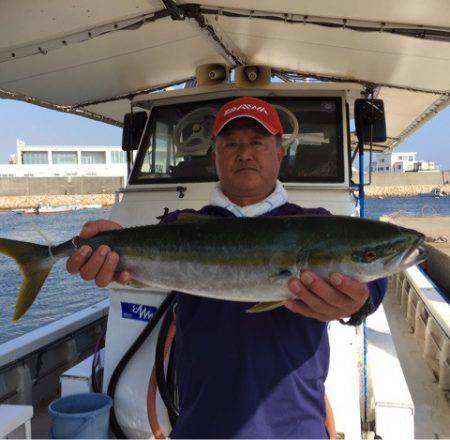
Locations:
{"points": [[431, 404], [40, 423]]}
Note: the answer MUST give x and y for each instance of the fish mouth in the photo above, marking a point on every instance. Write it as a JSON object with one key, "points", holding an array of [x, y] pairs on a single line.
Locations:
{"points": [[414, 256]]}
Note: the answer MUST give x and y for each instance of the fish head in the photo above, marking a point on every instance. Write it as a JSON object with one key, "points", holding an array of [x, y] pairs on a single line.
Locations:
{"points": [[364, 250], [407, 252], [386, 254]]}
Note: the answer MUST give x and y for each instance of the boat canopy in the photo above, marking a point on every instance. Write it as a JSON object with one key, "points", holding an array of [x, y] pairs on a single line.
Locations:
{"points": [[92, 57]]}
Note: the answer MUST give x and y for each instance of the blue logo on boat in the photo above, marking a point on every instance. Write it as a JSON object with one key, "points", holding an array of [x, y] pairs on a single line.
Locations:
{"points": [[139, 312]]}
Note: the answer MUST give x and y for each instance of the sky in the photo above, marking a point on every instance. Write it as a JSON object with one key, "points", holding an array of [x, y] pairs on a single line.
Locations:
{"points": [[39, 126]]}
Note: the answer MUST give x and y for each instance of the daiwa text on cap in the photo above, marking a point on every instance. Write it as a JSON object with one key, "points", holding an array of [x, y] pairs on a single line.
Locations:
{"points": [[248, 107]]}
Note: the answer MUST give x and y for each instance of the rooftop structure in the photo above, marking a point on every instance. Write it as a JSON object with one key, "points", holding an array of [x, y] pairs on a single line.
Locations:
{"points": [[67, 160], [401, 162]]}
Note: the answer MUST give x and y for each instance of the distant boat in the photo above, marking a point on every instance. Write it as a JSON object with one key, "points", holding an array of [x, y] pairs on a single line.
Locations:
{"points": [[435, 192], [48, 209]]}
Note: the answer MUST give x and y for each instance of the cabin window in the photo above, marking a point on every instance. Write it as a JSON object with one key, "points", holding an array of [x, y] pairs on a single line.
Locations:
{"points": [[178, 147]]}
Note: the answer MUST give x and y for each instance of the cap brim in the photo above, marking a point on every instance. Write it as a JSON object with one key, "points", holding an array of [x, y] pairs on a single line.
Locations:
{"points": [[268, 127]]}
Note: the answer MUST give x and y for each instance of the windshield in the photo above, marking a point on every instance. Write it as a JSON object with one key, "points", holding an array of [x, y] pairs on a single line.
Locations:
{"points": [[178, 148]]}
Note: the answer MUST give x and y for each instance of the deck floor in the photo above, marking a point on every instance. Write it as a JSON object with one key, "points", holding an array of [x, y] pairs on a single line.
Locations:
{"points": [[431, 405], [40, 423]]}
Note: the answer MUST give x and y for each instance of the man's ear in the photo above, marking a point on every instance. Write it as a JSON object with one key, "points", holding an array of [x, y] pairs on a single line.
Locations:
{"points": [[280, 152]]}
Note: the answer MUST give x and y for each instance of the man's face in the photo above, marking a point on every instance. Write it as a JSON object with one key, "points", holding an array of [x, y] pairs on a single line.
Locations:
{"points": [[247, 159]]}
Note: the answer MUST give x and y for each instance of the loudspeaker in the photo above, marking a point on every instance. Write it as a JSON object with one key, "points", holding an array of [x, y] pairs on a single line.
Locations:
{"points": [[212, 74], [370, 122], [253, 76], [133, 127]]}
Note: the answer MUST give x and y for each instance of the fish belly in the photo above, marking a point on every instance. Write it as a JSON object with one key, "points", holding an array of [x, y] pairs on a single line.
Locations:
{"points": [[228, 282]]}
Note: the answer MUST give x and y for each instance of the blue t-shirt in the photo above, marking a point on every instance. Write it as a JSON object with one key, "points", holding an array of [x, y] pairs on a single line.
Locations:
{"points": [[242, 375]]}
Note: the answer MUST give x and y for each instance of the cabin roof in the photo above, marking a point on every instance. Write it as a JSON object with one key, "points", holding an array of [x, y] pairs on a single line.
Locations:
{"points": [[92, 58]]}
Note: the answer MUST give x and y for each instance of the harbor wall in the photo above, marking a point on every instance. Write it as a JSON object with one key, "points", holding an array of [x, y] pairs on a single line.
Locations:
{"points": [[401, 190], [31, 186], [16, 202], [436, 178], [26, 192], [405, 184]]}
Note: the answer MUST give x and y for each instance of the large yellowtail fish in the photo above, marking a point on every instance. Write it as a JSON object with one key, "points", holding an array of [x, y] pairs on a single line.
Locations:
{"points": [[238, 259]]}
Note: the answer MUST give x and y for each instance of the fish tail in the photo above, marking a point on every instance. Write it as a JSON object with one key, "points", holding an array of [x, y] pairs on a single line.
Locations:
{"points": [[35, 263]]}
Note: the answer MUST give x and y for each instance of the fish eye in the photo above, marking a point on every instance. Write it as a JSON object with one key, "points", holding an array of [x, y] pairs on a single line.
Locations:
{"points": [[369, 256]]}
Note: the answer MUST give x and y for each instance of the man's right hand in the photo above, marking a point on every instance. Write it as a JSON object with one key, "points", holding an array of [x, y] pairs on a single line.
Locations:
{"points": [[102, 264]]}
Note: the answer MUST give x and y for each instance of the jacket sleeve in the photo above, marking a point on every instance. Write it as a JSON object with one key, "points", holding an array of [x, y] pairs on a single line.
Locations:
{"points": [[377, 290]]}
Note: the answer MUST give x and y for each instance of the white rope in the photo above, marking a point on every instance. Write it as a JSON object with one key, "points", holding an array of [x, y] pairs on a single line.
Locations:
{"points": [[41, 233]]}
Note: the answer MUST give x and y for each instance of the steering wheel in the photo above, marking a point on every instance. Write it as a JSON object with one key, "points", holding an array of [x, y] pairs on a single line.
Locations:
{"points": [[287, 116], [192, 135]]}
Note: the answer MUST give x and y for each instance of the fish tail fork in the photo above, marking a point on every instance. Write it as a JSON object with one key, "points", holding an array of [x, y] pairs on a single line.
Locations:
{"points": [[34, 263]]}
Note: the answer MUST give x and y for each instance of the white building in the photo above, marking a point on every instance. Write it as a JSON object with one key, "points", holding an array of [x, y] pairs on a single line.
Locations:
{"points": [[400, 163], [64, 161], [425, 165]]}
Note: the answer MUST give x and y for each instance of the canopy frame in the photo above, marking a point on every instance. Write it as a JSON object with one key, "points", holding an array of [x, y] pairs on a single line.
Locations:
{"points": [[205, 17]]}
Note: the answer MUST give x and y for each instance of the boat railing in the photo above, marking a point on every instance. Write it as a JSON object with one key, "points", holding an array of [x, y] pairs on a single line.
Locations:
{"points": [[30, 365], [427, 312]]}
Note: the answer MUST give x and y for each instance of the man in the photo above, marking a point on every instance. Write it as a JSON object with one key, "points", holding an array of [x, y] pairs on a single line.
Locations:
{"points": [[248, 375]]}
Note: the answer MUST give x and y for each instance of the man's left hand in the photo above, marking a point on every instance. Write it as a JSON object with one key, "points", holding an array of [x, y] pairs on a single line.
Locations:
{"points": [[338, 297]]}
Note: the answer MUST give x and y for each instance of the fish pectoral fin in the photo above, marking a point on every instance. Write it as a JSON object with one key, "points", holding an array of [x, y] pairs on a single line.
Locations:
{"points": [[187, 217], [265, 306], [282, 275], [137, 284]]}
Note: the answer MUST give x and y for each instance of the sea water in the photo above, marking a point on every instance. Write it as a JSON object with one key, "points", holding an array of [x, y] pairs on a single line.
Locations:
{"points": [[63, 294]]}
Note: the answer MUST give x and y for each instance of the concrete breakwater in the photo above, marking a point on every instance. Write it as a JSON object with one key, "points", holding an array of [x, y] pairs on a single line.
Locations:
{"points": [[15, 202], [35, 186], [402, 190], [435, 178], [27, 192]]}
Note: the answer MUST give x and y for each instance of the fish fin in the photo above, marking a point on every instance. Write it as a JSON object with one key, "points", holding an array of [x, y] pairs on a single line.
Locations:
{"points": [[265, 306], [137, 284], [35, 264], [282, 275], [188, 217], [31, 285], [301, 259]]}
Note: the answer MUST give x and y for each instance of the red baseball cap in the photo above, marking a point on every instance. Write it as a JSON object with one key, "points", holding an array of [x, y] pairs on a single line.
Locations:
{"points": [[248, 107]]}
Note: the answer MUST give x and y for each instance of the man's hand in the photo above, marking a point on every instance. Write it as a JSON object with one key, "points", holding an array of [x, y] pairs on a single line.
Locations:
{"points": [[100, 265], [338, 297]]}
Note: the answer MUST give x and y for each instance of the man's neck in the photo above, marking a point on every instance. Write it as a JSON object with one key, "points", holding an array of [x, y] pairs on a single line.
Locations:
{"points": [[240, 200]]}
